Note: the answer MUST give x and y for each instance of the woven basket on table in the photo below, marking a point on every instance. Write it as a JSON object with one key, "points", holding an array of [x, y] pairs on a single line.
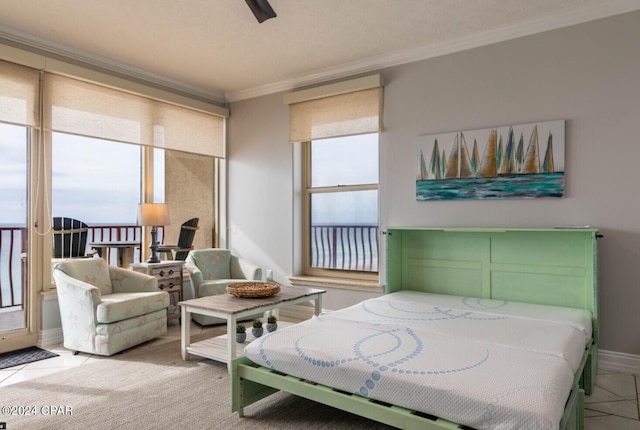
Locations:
{"points": [[253, 289]]}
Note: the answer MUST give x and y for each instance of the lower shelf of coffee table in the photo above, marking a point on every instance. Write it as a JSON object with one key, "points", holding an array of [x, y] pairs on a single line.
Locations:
{"points": [[216, 348]]}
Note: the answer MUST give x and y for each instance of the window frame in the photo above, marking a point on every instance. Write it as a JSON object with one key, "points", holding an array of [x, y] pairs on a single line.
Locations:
{"points": [[30, 112], [307, 193]]}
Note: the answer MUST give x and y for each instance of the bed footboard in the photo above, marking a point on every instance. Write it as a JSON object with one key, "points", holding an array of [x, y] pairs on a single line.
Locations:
{"points": [[245, 391], [251, 383], [590, 370], [573, 418]]}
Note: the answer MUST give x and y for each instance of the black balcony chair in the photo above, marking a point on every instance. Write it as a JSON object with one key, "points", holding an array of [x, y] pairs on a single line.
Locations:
{"points": [[185, 242], [70, 238]]}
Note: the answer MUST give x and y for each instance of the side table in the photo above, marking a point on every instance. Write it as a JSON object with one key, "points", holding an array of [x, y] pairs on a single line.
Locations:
{"points": [[169, 275]]}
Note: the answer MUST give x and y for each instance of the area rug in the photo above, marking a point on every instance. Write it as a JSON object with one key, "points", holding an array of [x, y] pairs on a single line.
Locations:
{"points": [[24, 356], [151, 387]]}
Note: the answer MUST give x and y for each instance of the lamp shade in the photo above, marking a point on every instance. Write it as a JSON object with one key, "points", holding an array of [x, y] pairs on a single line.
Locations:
{"points": [[153, 214]]}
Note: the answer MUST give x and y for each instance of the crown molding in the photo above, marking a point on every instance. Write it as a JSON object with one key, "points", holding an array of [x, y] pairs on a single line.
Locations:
{"points": [[578, 15], [82, 58], [555, 21]]}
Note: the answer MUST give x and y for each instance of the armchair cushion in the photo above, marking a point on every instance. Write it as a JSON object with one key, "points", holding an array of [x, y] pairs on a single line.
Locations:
{"points": [[155, 320], [210, 288], [119, 306], [121, 335], [127, 281]]}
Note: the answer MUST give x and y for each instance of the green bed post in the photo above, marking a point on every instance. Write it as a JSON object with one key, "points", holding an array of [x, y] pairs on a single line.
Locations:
{"points": [[394, 261]]}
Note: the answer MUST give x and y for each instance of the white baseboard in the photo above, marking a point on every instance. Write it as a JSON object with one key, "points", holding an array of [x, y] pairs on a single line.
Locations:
{"points": [[618, 362], [50, 337]]}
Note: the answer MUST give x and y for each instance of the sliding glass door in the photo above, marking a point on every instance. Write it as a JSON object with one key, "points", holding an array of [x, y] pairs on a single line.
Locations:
{"points": [[14, 173]]}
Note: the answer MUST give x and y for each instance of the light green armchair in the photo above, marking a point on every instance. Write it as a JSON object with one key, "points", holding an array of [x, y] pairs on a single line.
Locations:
{"points": [[211, 270], [106, 309]]}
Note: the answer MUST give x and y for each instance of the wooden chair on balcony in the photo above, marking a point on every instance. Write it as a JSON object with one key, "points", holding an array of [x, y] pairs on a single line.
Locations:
{"points": [[185, 242], [70, 238]]}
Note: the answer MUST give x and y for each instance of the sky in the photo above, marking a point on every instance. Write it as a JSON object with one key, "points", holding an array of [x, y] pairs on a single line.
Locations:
{"points": [[97, 186], [345, 161], [13, 179]]}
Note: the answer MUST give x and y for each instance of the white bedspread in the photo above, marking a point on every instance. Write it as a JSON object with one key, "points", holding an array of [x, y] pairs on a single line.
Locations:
{"points": [[485, 364], [558, 331]]}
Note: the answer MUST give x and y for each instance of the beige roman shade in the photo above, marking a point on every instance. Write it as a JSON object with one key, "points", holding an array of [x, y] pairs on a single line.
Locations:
{"points": [[77, 107], [19, 99], [341, 109]]}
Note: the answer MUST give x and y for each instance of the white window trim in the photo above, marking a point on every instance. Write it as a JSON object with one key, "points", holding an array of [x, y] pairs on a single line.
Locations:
{"points": [[372, 286]]}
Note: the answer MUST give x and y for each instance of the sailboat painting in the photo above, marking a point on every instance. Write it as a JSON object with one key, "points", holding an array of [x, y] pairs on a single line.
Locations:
{"points": [[515, 161]]}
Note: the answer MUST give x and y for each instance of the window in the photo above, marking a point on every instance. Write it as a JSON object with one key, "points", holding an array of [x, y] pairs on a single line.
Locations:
{"points": [[338, 125], [18, 122], [95, 181], [341, 207], [158, 175], [109, 143], [14, 173], [113, 149]]}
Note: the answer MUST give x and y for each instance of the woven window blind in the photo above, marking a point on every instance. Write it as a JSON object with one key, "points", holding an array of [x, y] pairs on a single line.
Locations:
{"points": [[86, 109], [343, 109], [19, 96]]}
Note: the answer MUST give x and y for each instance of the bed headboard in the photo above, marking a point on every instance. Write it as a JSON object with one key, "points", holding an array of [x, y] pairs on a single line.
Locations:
{"points": [[545, 266]]}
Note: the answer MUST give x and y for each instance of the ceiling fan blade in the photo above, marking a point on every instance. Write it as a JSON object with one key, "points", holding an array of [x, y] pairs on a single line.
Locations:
{"points": [[261, 9]]}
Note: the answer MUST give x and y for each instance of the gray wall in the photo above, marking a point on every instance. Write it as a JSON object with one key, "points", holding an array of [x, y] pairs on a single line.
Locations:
{"points": [[588, 75]]}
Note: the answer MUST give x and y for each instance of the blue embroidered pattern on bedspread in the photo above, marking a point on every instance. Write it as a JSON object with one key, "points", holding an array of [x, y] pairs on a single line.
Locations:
{"points": [[437, 314], [375, 361], [523, 325], [484, 304], [478, 368]]}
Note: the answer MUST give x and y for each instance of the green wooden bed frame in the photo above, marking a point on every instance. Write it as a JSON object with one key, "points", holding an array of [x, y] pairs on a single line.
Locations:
{"points": [[544, 266]]}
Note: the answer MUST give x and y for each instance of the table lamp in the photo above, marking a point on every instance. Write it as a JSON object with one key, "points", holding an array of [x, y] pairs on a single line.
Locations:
{"points": [[153, 215]]}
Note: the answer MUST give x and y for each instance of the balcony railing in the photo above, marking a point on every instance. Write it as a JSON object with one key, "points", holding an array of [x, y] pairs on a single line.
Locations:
{"points": [[345, 247], [115, 233], [13, 248], [13, 245], [333, 246]]}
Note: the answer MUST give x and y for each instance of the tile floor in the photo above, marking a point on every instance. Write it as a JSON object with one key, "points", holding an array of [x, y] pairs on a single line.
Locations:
{"points": [[613, 404]]}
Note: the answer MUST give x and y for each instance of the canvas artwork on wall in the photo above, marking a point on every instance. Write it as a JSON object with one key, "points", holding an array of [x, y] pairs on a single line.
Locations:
{"points": [[515, 161]]}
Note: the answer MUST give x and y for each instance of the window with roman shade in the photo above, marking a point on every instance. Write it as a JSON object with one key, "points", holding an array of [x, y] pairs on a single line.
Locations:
{"points": [[338, 126], [86, 109], [38, 93], [19, 96], [335, 110], [19, 115]]}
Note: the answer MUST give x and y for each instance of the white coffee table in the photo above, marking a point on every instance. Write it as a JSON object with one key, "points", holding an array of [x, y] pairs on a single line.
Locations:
{"points": [[225, 348]]}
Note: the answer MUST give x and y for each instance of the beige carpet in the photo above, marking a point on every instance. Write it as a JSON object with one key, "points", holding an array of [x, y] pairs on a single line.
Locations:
{"points": [[151, 387]]}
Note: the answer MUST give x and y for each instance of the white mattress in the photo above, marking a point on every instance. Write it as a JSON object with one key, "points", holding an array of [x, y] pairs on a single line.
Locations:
{"points": [[554, 330], [485, 364]]}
